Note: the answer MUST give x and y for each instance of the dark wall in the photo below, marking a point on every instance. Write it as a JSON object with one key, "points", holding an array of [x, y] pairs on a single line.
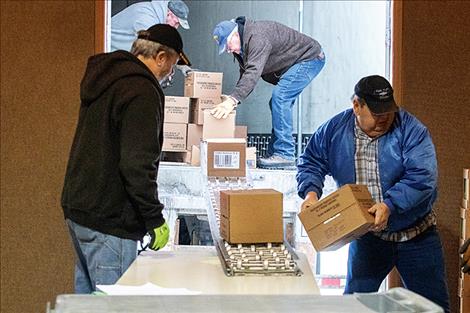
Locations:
{"points": [[44, 48], [436, 88]]}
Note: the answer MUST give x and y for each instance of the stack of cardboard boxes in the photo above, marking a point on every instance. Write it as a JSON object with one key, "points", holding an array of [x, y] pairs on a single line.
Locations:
{"points": [[188, 119], [464, 280]]}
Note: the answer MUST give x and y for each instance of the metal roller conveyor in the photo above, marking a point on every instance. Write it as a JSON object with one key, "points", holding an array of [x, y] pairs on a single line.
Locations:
{"points": [[246, 259]]}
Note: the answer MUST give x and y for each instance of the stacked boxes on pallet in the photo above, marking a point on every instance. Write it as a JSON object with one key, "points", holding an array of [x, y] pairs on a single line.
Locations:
{"points": [[175, 124], [464, 280], [188, 119]]}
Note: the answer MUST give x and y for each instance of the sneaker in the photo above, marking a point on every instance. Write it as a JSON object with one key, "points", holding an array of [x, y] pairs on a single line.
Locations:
{"points": [[276, 162]]}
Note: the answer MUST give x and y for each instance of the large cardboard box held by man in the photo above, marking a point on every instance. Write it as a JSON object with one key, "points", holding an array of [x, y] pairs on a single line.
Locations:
{"points": [[251, 216], [339, 218]]}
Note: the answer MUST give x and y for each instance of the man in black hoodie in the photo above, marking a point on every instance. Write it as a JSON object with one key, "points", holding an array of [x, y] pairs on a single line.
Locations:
{"points": [[110, 198]]}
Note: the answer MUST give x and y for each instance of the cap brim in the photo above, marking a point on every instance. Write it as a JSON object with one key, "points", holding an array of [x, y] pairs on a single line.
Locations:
{"points": [[183, 23], [382, 107], [184, 60], [222, 48]]}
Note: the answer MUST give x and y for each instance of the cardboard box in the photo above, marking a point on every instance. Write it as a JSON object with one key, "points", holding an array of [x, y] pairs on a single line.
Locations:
{"points": [[174, 137], [241, 131], [176, 109], [198, 105], [223, 157], [251, 157], [195, 156], [176, 156], [218, 128], [339, 218], [194, 135], [203, 85], [251, 216]]}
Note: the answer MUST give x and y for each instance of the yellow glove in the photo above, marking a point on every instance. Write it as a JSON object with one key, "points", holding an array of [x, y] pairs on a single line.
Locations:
{"points": [[160, 236], [223, 109]]}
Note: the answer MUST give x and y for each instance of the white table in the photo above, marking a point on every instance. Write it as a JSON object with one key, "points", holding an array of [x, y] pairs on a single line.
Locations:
{"points": [[198, 268]]}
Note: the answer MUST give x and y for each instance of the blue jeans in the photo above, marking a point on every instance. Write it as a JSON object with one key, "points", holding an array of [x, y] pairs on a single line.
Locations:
{"points": [[289, 87], [101, 258], [419, 261]]}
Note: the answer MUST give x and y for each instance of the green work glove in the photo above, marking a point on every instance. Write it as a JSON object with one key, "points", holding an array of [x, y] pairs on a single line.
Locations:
{"points": [[159, 237]]}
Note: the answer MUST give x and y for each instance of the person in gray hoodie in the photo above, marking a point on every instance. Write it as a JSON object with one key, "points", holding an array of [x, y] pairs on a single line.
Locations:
{"points": [[279, 55]]}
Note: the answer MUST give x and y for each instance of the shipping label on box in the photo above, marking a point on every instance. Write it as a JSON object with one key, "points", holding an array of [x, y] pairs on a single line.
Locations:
{"points": [[218, 128], [176, 109], [251, 216], [198, 105], [224, 157], [174, 137], [203, 85], [194, 135], [226, 160], [339, 218]]}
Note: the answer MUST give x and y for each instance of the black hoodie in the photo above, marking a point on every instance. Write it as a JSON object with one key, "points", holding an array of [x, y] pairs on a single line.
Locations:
{"points": [[110, 185]]}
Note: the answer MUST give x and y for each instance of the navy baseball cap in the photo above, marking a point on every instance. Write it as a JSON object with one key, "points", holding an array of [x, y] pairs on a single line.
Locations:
{"points": [[377, 93], [221, 33], [168, 36], [180, 9]]}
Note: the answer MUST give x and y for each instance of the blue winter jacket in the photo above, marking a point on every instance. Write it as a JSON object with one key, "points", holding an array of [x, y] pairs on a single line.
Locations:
{"points": [[406, 157]]}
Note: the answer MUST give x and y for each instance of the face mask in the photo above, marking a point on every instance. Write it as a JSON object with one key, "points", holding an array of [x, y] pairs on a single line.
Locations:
{"points": [[167, 81]]}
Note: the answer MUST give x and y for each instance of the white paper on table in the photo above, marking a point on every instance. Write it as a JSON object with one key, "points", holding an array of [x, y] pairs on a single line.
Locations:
{"points": [[147, 289]]}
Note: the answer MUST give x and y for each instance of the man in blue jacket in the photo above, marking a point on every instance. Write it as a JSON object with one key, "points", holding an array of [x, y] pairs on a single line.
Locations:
{"points": [[386, 148]]}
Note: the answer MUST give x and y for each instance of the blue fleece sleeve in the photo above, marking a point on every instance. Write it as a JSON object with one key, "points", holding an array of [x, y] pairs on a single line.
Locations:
{"points": [[419, 180], [313, 164]]}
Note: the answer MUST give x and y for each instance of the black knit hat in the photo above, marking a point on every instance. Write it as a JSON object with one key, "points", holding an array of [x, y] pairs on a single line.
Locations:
{"points": [[378, 94], [168, 36]]}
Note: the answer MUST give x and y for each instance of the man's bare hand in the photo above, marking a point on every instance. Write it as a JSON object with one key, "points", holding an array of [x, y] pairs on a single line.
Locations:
{"points": [[381, 213], [310, 200]]}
